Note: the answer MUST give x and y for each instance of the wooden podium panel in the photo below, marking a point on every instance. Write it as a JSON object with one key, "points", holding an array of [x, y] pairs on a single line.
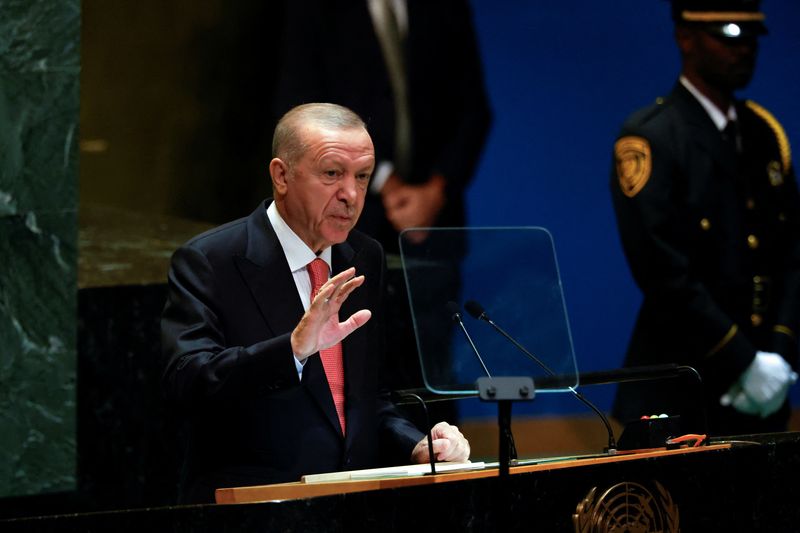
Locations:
{"points": [[746, 485], [290, 491]]}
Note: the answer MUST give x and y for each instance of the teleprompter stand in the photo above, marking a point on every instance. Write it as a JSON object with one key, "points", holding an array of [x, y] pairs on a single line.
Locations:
{"points": [[504, 391], [509, 274]]}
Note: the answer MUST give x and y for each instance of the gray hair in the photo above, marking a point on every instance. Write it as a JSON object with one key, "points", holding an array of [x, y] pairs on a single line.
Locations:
{"points": [[287, 142]]}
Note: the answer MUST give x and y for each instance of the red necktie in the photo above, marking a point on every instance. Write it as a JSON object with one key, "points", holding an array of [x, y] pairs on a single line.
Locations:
{"points": [[331, 357]]}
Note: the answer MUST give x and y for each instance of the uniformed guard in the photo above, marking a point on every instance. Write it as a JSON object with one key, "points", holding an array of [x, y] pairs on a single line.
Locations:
{"points": [[708, 212]]}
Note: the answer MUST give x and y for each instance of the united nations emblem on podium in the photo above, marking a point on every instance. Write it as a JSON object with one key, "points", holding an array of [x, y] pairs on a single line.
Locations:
{"points": [[627, 508]]}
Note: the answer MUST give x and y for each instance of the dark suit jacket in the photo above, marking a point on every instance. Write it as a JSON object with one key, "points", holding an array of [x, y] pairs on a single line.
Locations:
{"points": [[330, 53], [226, 333], [704, 226]]}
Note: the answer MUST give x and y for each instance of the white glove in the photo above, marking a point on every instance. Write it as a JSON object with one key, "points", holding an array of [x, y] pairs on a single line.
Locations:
{"points": [[763, 387], [736, 398], [767, 377]]}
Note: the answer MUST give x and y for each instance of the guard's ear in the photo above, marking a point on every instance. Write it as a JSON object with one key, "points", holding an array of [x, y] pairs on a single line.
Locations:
{"points": [[279, 171]]}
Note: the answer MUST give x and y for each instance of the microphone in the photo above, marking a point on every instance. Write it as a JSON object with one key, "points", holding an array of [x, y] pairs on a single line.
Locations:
{"points": [[400, 396], [455, 313], [508, 448], [477, 311]]}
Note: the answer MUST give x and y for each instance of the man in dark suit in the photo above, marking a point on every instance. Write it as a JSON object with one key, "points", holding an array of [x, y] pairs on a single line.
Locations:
{"points": [[412, 69], [708, 212], [273, 385]]}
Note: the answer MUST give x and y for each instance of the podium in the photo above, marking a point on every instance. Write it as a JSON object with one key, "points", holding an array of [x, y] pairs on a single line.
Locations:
{"points": [[740, 485], [299, 490]]}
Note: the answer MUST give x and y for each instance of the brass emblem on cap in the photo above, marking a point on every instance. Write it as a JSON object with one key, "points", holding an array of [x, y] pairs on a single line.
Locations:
{"points": [[752, 242], [627, 507], [633, 164], [705, 224], [775, 174]]}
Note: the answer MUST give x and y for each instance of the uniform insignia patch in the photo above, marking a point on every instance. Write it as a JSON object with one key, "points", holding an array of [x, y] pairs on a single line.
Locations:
{"points": [[775, 174], [633, 164]]}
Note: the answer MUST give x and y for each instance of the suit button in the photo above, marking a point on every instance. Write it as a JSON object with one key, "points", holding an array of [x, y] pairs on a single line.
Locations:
{"points": [[705, 224], [756, 319], [752, 242]]}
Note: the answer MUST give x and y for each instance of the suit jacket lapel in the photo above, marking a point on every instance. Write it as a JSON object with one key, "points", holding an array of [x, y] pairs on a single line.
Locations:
{"points": [[266, 272]]}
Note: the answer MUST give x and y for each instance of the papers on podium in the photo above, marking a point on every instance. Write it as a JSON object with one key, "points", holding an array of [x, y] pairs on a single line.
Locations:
{"points": [[391, 472]]}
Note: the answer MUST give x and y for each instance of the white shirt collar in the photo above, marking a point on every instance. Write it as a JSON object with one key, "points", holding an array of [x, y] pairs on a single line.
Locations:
{"points": [[720, 119], [297, 253]]}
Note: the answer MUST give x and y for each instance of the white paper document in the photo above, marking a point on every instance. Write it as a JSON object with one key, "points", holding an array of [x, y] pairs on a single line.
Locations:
{"points": [[391, 471]]}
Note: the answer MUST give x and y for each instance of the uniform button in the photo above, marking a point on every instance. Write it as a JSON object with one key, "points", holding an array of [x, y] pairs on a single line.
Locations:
{"points": [[705, 224], [750, 204], [752, 242], [775, 174], [782, 217], [756, 319]]}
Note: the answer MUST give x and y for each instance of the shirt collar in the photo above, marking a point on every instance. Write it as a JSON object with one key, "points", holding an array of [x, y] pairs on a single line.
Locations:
{"points": [[720, 119], [297, 253]]}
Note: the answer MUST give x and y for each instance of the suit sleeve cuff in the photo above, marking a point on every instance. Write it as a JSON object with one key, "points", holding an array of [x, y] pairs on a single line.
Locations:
{"points": [[784, 342], [726, 361], [380, 176]]}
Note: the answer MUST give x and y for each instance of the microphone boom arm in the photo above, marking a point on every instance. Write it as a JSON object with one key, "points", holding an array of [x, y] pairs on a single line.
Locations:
{"points": [[476, 310]]}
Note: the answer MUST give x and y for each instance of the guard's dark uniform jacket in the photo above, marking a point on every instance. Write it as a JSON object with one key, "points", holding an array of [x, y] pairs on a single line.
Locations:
{"points": [[710, 225]]}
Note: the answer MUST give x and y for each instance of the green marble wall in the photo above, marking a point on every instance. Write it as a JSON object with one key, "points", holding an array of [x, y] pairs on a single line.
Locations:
{"points": [[39, 104]]}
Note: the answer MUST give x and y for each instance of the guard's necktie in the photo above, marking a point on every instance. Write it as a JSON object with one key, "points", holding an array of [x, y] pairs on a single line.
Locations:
{"points": [[730, 134], [331, 357]]}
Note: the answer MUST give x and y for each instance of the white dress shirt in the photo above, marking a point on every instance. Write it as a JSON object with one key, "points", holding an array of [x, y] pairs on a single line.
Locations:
{"points": [[298, 255], [720, 119]]}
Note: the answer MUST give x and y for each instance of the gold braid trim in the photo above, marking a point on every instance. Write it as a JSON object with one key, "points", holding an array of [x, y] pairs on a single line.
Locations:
{"points": [[725, 340], [786, 331], [722, 16], [780, 134]]}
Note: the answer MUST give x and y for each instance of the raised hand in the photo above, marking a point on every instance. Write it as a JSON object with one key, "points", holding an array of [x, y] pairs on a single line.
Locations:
{"points": [[319, 327]]}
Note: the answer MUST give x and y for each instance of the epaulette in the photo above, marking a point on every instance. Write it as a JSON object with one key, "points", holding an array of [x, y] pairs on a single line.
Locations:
{"points": [[777, 129], [646, 114]]}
